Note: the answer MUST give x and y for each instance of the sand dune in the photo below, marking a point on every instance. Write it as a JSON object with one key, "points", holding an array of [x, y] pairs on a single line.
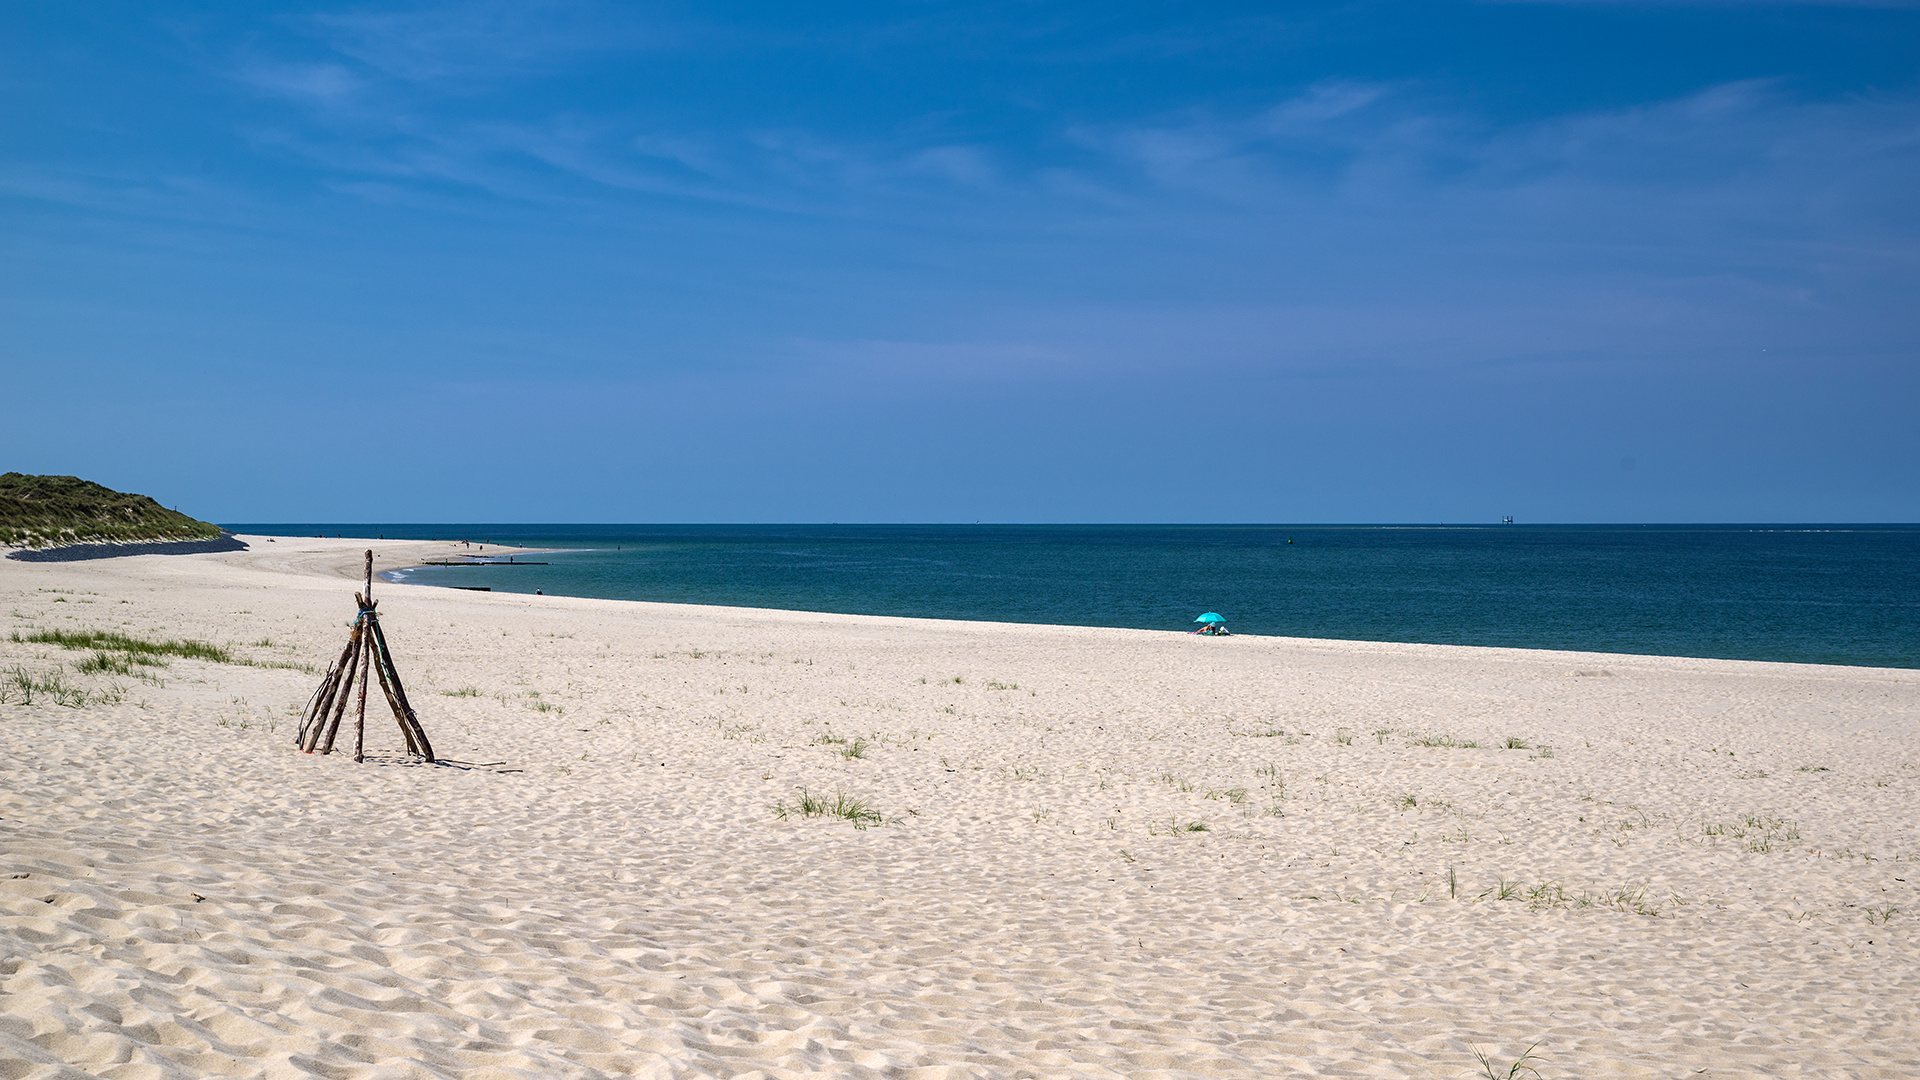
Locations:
{"points": [[1100, 853]]}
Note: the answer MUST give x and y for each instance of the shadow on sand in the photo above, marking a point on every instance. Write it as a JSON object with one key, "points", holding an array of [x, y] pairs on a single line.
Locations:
{"points": [[80, 552]]}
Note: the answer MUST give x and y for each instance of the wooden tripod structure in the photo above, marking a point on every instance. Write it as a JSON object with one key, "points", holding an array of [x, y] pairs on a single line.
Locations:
{"points": [[365, 656]]}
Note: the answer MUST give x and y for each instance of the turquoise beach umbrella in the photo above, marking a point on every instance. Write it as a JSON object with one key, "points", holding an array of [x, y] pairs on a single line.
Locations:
{"points": [[1211, 616]]}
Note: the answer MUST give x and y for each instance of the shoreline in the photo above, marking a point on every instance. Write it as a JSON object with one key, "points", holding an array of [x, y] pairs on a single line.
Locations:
{"points": [[341, 558], [1732, 594], [342, 555], [1586, 653]]}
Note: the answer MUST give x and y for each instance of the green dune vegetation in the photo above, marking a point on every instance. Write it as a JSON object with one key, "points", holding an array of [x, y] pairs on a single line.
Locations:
{"points": [[42, 511]]}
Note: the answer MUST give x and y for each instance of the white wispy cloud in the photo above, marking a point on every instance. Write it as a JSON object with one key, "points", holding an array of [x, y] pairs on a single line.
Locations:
{"points": [[134, 194], [482, 39], [1659, 225], [311, 83], [1368, 143], [1205, 151]]}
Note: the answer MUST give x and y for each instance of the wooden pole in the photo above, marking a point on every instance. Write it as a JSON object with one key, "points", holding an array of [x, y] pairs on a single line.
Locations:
{"points": [[386, 687], [310, 728], [405, 714], [312, 707], [310, 738], [306, 711], [366, 676], [317, 708], [367, 658], [346, 687]]}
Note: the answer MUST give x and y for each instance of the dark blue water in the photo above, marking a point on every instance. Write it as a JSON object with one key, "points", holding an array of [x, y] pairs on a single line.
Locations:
{"points": [[1818, 594]]}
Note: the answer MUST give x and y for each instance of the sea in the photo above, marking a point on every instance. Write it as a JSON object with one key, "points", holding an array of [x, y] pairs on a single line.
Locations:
{"points": [[1827, 594]]}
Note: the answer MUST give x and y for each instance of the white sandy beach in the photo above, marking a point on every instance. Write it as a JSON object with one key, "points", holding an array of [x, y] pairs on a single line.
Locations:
{"points": [[1105, 853]]}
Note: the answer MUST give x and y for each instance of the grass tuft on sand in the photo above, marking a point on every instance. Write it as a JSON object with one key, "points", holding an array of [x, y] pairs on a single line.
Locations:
{"points": [[808, 805]]}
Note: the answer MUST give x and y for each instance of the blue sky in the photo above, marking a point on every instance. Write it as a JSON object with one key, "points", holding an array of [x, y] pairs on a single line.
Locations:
{"points": [[952, 262]]}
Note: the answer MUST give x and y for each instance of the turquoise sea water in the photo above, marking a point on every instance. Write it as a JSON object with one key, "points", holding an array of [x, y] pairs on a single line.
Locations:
{"points": [[1837, 594]]}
